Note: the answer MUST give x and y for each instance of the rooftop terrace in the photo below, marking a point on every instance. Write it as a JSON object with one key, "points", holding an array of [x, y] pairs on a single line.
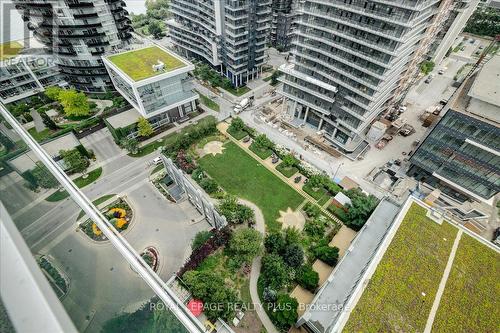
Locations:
{"points": [[138, 64]]}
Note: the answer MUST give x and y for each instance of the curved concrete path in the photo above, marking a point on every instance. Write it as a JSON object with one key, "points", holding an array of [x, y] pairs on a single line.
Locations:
{"points": [[260, 226]]}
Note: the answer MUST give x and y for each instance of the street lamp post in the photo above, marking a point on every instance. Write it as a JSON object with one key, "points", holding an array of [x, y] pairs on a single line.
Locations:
{"points": [[336, 171]]}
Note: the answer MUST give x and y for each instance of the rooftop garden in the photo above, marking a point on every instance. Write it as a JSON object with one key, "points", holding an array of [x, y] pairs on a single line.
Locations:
{"points": [[400, 294], [473, 286], [138, 64], [10, 49]]}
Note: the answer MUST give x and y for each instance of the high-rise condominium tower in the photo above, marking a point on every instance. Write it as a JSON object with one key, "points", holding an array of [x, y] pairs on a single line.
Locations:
{"points": [[283, 23], [78, 32], [353, 58], [230, 35]]}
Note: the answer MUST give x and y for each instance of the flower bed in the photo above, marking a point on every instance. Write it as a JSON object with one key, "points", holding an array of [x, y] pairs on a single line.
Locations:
{"points": [[118, 213]]}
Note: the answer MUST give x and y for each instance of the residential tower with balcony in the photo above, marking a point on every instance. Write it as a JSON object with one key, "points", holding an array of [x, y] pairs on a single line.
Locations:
{"points": [[229, 35], [354, 59], [79, 32]]}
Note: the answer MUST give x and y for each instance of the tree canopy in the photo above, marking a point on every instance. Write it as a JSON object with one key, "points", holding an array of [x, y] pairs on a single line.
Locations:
{"points": [[144, 128], [245, 245], [74, 160], [74, 103]]}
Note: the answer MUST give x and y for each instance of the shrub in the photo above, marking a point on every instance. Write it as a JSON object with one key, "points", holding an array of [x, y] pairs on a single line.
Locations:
{"points": [[209, 185], [307, 278], [235, 212], [185, 162], [360, 209], [315, 228], [327, 254], [144, 127], [43, 177], [294, 255], [200, 239], [312, 210], [274, 243]]}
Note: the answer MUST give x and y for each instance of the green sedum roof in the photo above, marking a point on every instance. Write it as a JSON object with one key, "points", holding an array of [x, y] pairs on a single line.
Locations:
{"points": [[138, 64]]}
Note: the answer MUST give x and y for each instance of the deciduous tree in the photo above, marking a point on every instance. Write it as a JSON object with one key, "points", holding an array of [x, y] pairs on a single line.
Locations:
{"points": [[144, 127]]}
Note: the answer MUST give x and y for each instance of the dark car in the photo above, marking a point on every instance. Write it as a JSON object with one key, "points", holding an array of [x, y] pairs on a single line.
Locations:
{"points": [[246, 139]]}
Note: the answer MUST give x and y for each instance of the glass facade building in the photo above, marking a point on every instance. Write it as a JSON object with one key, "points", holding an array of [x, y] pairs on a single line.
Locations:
{"points": [[461, 156]]}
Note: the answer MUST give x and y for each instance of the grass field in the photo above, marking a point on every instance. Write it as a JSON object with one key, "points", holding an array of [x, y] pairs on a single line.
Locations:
{"points": [[262, 153], [237, 91], [411, 267], [286, 171], [40, 136], [471, 299], [138, 64], [241, 175]]}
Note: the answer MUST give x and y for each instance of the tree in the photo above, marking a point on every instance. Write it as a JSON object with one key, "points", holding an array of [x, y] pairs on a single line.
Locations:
{"points": [[307, 278], [53, 93], [289, 161], [144, 127], [269, 295], [74, 160], [74, 103], [360, 208], [131, 145], [19, 109], [262, 142], [228, 207], [274, 271], [294, 255], [274, 243], [155, 29], [200, 239], [245, 245], [285, 311], [43, 177], [211, 289], [237, 125], [426, 66]]}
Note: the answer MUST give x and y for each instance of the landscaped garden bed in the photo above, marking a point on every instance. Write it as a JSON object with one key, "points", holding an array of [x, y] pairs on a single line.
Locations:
{"points": [[286, 170], [57, 280], [151, 257], [118, 213]]}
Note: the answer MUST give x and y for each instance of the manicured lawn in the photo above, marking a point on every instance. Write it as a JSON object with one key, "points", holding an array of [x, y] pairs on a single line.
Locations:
{"points": [[286, 171], [262, 153], [471, 299], [208, 102], [138, 64], [412, 265], [80, 182], [241, 175], [97, 202], [237, 91], [40, 136], [10, 49], [238, 135]]}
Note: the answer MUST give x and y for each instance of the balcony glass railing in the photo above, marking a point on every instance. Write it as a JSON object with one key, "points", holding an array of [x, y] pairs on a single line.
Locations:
{"points": [[105, 239]]}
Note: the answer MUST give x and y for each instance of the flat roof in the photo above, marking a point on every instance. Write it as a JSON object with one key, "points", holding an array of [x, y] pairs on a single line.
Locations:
{"points": [[138, 64], [124, 119], [10, 49], [484, 87], [427, 253]]}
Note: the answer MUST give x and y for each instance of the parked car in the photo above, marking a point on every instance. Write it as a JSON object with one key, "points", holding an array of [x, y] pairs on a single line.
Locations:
{"points": [[441, 72], [246, 139], [429, 79], [157, 160]]}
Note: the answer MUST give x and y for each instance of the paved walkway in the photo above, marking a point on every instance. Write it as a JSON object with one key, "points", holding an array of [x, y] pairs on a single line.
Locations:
{"points": [[442, 284], [223, 128], [260, 226]]}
